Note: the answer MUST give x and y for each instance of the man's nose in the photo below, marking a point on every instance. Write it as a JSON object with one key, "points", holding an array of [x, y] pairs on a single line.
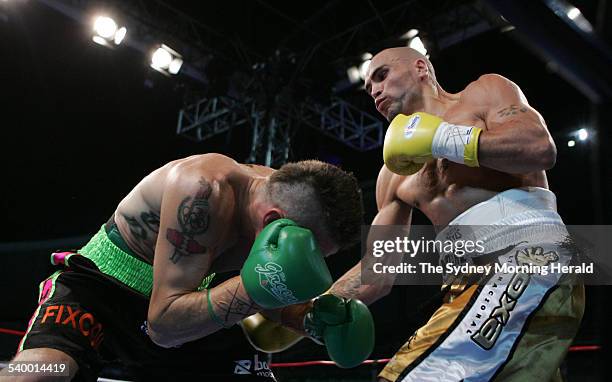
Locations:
{"points": [[376, 91]]}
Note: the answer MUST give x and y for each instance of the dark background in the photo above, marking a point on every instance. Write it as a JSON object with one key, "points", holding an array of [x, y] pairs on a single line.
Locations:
{"points": [[81, 125]]}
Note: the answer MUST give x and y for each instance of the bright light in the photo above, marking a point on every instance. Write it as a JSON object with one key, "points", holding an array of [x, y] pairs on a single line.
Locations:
{"points": [[105, 27], [166, 61], [417, 45], [573, 13], [120, 35], [583, 134], [99, 40], [175, 66], [410, 34], [353, 74], [161, 59], [107, 33], [366, 56], [363, 69], [571, 143]]}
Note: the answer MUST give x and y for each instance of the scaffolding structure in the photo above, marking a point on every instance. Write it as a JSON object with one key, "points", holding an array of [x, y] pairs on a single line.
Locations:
{"points": [[271, 135]]}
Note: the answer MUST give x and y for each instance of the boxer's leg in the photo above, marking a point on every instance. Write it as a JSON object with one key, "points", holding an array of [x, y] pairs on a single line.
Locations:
{"points": [[65, 326], [547, 337], [547, 319], [426, 337]]}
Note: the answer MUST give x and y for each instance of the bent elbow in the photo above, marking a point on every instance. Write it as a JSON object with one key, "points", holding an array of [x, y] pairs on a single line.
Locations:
{"points": [[159, 333], [160, 338], [548, 156]]}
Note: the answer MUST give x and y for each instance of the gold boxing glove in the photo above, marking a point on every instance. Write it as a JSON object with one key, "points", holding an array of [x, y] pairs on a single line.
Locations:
{"points": [[268, 336], [412, 140]]}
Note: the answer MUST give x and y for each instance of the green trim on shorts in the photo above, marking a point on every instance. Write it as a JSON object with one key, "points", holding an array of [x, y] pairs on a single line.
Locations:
{"points": [[116, 263], [53, 277]]}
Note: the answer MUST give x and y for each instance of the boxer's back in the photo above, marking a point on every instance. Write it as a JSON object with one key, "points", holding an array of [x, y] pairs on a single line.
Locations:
{"points": [[137, 215]]}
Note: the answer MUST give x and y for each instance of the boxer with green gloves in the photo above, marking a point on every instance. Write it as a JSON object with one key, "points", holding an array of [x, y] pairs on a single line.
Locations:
{"points": [[143, 285]]}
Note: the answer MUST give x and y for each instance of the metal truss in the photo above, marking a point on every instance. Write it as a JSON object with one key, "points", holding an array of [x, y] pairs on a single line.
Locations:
{"points": [[270, 145], [151, 21], [209, 117], [271, 134], [345, 123]]}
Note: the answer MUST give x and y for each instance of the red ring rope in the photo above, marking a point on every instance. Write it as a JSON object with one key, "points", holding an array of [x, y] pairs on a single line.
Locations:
{"points": [[577, 348]]}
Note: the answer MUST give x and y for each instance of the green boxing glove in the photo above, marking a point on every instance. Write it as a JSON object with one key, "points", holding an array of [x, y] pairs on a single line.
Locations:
{"points": [[344, 326], [285, 266]]}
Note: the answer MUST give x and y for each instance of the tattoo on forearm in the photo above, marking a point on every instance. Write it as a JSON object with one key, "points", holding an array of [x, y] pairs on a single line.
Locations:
{"points": [[511, 110], [237, 306], [150, 220], [349, 287], [193, 218]]}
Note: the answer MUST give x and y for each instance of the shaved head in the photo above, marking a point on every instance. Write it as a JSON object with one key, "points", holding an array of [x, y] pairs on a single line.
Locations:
{"points": [[402, 53], [395, 79]]}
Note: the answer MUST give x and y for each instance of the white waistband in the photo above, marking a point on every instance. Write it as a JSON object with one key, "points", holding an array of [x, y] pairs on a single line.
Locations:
{"points": [[506, 205], [508, 216]]}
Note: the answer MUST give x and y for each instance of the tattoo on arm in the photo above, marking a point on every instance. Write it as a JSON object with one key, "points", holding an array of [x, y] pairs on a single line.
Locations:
{"points": [[511, 110], [236, 306], [193, 218], [349, 286]]}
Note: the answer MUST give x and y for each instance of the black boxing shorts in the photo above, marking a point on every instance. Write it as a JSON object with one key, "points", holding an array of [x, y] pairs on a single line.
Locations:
{"points": [[88, 311]]}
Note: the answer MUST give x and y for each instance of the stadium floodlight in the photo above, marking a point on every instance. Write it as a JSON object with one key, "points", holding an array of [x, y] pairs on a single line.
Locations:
{"points": [[358, 73], [107, 33], [573, 13], [410, 34], [166, 60], [416, 44]]}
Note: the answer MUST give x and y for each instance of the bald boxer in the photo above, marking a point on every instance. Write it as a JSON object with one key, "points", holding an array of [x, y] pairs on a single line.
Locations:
{"points": [[473, 158], [142, 290]]}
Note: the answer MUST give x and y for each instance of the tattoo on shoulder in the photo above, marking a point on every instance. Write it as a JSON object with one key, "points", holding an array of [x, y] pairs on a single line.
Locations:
{"points": [[511, 110], [193, 218]]}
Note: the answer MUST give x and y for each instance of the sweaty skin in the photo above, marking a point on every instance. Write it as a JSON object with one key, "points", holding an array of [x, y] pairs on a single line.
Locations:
{"points": [[137, 215], [515, 148], [190, 218]]}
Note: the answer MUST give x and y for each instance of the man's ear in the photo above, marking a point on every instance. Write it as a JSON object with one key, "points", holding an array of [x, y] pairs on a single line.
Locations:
{"points": [[271, 215], [421, 68]]}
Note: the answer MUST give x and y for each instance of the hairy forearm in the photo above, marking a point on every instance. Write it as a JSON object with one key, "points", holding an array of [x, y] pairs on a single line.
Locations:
{"points": [[189, 316], [350, 286], [516, 149]]}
